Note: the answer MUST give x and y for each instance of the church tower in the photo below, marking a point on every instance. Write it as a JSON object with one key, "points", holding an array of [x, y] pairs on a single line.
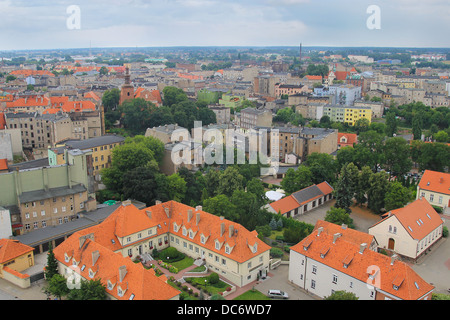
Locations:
{"points": [[127, 92]]}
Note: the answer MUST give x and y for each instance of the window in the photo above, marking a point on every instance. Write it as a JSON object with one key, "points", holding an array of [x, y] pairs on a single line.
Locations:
{"points": [[335, 278], [313, 284], [63, 209], [55, 210], [314, 269], [431, 197]]}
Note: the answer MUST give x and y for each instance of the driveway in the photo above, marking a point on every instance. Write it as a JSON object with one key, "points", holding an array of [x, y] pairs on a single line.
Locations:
{"points": [[435, 266], [278, 279], [362, 218]]}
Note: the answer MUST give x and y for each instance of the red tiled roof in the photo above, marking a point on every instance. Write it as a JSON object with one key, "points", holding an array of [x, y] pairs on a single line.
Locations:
{"points": [[137, 282], [11, 249], [3, 164], [351, 235], [325, 188], [128, 220], [412, 287], [29, 72], [418, 218], [351, 138], [435, 181], [285, 205]]}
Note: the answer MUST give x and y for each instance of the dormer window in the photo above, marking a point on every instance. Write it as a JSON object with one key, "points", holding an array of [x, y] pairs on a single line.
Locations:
{"points": [[191, 234], [184, 231], [91, 273], [175, 227], [217, 245], [202, 239], [109, 285]]}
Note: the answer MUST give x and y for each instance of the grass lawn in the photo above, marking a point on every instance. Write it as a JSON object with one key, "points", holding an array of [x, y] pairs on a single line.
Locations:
{"points": [[183, 264], [211, 288], [252, 294]]}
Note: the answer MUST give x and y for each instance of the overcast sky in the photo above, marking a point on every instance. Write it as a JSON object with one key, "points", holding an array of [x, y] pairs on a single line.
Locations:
{"points": [[42, 24]]}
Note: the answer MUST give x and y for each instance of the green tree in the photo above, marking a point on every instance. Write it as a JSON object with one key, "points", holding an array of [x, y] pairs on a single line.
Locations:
{"points": [[256, 187], [441, 136], [110, 99], [322, 167], [57, 286], [173, 95], [363, 185], [342, 295], [177, 187], [125, 158], [397, 196], [220, 205], [229, 181], [103, 71], [397, 156], [296, 180], [346, 187], [135, 115], [52, 264], [391, 124], [417, 124], [379, 186], [339, 216], [89, 290]]}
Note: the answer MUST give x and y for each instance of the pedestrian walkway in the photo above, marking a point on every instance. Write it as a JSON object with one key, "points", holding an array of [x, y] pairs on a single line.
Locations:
{"points": [[187, 273]]}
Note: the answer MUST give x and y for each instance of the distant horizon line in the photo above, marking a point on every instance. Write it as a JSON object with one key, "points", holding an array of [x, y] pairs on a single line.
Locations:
{"points": [[226, 46]]}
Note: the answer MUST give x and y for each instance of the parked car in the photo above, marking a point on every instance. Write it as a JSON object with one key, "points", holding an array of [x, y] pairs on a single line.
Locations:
{"points": [[277, 294]]}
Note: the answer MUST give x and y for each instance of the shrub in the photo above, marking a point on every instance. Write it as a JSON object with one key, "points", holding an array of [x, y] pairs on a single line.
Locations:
{"points": [[213, 278], [445, 232], [276, 253], [170, 253]]}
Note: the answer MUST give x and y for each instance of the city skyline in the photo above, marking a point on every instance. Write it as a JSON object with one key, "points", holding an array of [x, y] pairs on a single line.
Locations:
{"points": [[177, 23]]}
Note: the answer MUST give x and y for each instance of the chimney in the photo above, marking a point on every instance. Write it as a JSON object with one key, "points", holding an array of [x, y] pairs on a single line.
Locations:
{"points": [[231, 231], [126, 203], [198, 208], [157, 202], [149, 213], [362, 247], [344, 226], [393, 258], [122, 273], [319, 231], [222, 229], [189, 215], [336, 236], [197, 218], [95, 256]]}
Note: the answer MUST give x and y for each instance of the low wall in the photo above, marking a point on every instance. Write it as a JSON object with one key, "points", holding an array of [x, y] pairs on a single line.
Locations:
{"points": [[17, 278]]}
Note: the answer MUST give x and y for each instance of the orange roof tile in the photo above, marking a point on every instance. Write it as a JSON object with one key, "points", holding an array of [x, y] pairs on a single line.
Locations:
{"points": [[284, 205], [351, 235], [352, 138], [325, 188], [412, 287], [435, 181], [137, 283], [418, 218], [11, 249], [29, 72]]}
